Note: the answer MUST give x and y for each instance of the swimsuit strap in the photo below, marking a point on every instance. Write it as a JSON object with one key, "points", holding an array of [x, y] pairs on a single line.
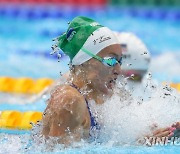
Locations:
{"points": [[94, 123]]}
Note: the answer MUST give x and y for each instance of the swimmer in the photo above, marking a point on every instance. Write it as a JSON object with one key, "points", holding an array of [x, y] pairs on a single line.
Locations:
{"points": [[96, 58], [136, 62], [136, 57]]}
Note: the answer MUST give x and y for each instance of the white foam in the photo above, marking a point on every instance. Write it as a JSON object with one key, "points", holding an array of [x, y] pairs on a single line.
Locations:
{"points": [[126, 118]]}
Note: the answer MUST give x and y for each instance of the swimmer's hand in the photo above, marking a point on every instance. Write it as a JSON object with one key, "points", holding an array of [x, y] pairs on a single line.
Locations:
{"points": [[167, 132], [162, 132]]}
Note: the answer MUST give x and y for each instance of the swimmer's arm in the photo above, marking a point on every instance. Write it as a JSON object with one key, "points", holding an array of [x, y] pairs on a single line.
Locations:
{"points": [[66, 114], [167, 132], [163, 132]]}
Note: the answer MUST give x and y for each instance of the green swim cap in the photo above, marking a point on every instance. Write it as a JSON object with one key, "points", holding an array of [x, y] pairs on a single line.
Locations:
{"points": [[84, 35], [78, 32]]}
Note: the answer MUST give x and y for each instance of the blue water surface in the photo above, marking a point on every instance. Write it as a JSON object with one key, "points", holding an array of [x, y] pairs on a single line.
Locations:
{"points": [[25, 43], [26, 32]]}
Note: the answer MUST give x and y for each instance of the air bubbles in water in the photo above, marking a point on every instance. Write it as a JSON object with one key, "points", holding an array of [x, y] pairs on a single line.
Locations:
{"points": [[59, 56], [68, 130], [149, 76], [144, 53], [44, 97], [32, 124], [53, 52], [54, 47], [132, 76], [129, 64], [55, 40], [56, 50]]}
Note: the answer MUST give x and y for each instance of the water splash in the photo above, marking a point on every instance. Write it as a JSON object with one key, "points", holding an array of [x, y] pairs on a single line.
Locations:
{"points": [[124, 118], [55, 49], [131, 112]]}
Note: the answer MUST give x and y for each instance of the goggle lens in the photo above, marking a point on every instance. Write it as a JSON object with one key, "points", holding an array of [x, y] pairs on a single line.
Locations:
{"points": [[111, 61]]}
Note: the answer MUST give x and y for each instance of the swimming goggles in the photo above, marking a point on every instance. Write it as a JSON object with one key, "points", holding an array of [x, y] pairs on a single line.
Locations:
{"points": [[107, 61]]}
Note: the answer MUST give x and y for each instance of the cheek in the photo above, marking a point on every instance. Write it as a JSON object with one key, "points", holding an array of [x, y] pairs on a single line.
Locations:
{"points": [[98, 73], [100, 76], [104, 72]]}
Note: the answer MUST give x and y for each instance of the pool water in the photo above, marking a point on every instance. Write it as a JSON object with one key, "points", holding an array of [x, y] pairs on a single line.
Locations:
{"points": [[22, 144], [20, 44], [25, 40]]}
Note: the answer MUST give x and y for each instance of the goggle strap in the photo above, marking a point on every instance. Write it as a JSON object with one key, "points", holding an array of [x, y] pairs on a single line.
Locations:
{"points": [[101, 59], [120, 61], [91, 54]]}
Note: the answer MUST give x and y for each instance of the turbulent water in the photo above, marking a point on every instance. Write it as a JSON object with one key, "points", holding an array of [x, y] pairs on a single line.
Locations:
{"points": [[133, 112], [128, 115]]}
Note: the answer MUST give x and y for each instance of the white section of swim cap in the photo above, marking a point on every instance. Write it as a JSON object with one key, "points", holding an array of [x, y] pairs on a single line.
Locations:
{"points": [[137, 53], [100, 39]]}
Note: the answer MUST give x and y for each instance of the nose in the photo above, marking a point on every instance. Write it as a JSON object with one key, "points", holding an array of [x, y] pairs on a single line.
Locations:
{"points": [[117, 69]]}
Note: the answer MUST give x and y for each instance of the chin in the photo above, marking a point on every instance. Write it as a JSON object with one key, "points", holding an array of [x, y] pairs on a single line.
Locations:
{"points": [[108, 90]]}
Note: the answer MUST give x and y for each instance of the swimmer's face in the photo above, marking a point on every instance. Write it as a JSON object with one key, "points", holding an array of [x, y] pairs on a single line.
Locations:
{"points": [[101, 77]]}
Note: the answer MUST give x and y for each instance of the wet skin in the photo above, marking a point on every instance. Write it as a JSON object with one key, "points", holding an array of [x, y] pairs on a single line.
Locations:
{"points": [[67, 110]]}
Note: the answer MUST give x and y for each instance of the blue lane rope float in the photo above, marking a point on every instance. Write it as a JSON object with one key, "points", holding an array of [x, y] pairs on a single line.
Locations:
{"points": [[38, 13], [59, 12], [45, 54], [50, 34]]}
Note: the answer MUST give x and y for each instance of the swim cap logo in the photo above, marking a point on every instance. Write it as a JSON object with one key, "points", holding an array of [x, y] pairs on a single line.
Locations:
{"points": [[70, 34], [101, 39]]}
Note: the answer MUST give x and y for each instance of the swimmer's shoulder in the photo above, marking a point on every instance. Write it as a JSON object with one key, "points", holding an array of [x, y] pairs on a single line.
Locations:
{"points": [[65, 89], [66, 107], [66, 94]]}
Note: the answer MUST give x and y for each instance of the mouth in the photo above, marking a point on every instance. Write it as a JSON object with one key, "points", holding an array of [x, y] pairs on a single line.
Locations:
{"points": [[111, 83]]}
